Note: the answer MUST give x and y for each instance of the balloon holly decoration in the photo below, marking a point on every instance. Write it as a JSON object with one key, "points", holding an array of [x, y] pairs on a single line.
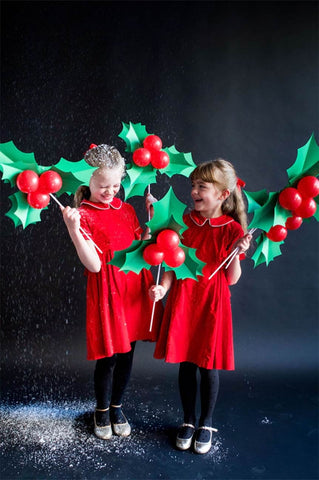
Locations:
{"points": [[276, 213], [165, 246], [36, 183], [149, 158]]}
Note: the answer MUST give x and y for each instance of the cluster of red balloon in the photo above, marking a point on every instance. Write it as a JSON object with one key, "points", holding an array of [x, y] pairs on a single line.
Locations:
{"points": [[151, 153], [166, 249], [300, 201], [38, 188]]}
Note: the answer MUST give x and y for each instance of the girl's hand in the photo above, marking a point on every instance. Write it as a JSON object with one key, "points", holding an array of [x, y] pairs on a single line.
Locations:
{"points": [[71, 217], [149, 200], [243, 243], [157, 292]]}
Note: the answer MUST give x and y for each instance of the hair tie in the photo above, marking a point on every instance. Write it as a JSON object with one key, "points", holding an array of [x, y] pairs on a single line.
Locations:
{"points": [[90, 148], [240, 183]]}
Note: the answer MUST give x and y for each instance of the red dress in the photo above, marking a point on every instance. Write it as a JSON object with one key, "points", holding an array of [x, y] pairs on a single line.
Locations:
{"points": [[118, 308], [197, 324]]}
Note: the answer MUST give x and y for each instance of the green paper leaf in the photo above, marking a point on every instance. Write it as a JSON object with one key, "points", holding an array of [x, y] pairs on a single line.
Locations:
{"points": [[73, 174], [168, 213], [13, 162], [179, 163], [268, 214], [21, 213], [137, 180], [266, 250], [255, 200], [133, 135], [191, 268], [306, 163]]}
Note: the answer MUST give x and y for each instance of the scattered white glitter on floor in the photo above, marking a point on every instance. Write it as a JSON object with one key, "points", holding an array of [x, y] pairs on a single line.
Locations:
{"points": [[58, 437]]}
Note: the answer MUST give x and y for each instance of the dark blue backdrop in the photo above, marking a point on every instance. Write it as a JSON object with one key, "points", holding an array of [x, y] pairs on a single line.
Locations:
{"points": [[231, 79]]}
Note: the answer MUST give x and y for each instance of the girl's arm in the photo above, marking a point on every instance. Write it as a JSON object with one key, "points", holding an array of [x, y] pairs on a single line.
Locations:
{"points": [[233, 272], [157, 292], [149, 200], [85, 248]]}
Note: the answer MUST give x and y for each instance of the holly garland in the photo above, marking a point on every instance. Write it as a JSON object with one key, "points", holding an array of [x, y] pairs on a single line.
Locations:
{"points": [[149, 158], [36, 183], [276, 213], [166, 244]]}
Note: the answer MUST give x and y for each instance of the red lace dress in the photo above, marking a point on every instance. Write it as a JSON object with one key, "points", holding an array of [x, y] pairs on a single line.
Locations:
{"points": [[118, 309], [197, 324]]}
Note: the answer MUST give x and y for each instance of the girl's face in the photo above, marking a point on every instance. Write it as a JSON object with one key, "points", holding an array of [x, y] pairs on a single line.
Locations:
{"points": [[208, 198], [105, 184]]}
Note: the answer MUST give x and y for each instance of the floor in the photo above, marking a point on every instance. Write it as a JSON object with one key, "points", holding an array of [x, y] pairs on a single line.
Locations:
{"points": [[267, 428]]}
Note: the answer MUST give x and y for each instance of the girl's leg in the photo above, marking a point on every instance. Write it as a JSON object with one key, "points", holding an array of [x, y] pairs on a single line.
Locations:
{"points": [[208, 392], [187, 382], [121, 376], [103, 375], [188, 388], [209, 388]]}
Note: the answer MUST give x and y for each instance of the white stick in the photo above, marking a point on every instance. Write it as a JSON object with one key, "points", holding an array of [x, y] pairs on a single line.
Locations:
{"points": [[154, 303], [149, 210], [81, 229], [230, 257]]}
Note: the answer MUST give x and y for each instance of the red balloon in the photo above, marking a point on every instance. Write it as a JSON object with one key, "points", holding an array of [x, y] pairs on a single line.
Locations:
{"points": [[50, 182], [160, 159], [307, 208], [174, 258], [308, 186], [27, 181], [290, 198], [167, 239], [153, 255], [142, 157], [292, 223], [277, 233], [152, 142], [38, 199]]}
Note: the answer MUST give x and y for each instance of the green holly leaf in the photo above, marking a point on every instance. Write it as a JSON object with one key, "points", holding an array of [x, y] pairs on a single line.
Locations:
{"points": [[191, 268], [266, 250], [168, 213], [306, 163], [73, 174], [133, 135], [20, 212], [13, 162], [137, 179], [131, 259], [268, 213], [179, 163]]}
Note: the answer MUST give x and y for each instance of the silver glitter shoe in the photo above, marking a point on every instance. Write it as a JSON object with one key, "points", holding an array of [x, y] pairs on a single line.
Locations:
{"points": [[185, 436], [122, 429], [204, 447], [104, 432]]}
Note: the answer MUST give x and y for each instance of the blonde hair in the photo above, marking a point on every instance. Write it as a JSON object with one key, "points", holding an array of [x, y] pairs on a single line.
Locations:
{"points": [[223, 174], [100, 156]]}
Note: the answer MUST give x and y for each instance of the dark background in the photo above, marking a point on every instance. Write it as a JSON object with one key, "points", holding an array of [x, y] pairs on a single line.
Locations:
{"points": [[231, 79]]}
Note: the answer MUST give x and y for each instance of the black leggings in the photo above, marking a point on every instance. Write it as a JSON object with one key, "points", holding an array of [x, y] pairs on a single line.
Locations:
{"points": [[111, 376], [209, 387]]}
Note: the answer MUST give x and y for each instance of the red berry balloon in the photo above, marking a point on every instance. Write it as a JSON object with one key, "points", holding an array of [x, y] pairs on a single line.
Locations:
{"points": [[153, 255], [308, 186], [307, 208], [38, 199], [174, 258], [167, 239], [292, 223], [160, 159], [142, 157], [50, 182], [152, 142], [27, 181], [277, 233], [290, 198]]}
